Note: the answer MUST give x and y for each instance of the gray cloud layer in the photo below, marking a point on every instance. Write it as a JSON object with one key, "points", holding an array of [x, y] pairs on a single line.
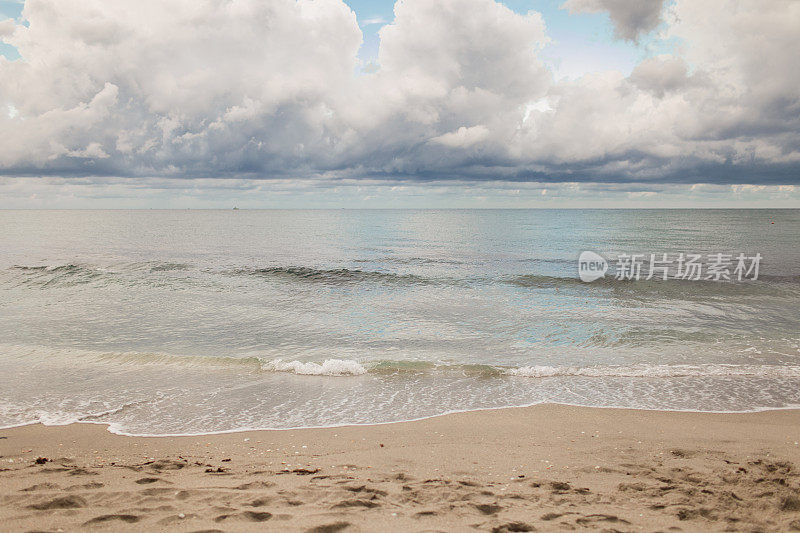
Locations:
{"points": [[631, 18], [265, 89]]}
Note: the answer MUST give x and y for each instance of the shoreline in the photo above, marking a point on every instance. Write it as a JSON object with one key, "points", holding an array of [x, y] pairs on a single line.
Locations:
{"points": [[110, 425], [548, 467]]}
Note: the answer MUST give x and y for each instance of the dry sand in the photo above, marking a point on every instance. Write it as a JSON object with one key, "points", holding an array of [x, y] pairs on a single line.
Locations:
{"points": [[542, 468]]}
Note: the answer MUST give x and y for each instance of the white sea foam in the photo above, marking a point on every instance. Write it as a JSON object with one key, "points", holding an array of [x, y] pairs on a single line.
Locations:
{"points": [[329, 367]]}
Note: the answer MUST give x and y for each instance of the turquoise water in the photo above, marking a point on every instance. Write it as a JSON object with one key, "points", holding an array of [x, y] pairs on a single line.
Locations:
{"points": [[173, 322]]}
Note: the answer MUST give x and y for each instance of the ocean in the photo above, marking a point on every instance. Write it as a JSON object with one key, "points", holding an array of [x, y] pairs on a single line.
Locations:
{"points": [[191, 321]]}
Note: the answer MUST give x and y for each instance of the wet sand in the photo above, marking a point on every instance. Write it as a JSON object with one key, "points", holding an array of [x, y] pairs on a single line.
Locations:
{"points": [[543, 468]]}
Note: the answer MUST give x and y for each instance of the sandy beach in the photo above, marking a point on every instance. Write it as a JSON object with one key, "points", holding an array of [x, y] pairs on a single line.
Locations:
{"points": [[541, 468]]}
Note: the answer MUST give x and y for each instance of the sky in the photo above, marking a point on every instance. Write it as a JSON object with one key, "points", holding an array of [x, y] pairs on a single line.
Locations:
{"points": [[579, 42], [358, 103]]}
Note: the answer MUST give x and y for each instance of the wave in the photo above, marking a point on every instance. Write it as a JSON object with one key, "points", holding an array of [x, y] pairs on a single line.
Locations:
{"points": [[70, 274], [329, 367], [336, 367], [658, 371], [249, 363], [334, 276], [15, 414], [77, 268], [411, 261], [62, 275]]}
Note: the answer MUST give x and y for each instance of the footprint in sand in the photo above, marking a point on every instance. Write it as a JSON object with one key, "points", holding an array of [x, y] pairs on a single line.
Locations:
{"points": [[594, 518], [249, 516], [255, 485], [488, 508], [790, 504], [104, 519], [158, 491], [54, 469], [85, 486], [551, 516], [560, 487], [65, 502], [367, 490], [683, 453], [148, 480], [329, 528], [513, 527], [166, 464], [41, 486], [368, 504]]}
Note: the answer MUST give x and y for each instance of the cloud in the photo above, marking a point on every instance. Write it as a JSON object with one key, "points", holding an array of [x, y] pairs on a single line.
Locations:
{"points": [[272, 89], [631, 18], [445, 65], [373, 20], [724, 110], [7, 28], [223, 86], [105, 192], [463, 137], [661, 75]]}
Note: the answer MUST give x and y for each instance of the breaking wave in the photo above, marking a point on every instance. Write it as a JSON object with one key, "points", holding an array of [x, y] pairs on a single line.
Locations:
{"points": [[329, 367], [175, 275], [350, 367]]}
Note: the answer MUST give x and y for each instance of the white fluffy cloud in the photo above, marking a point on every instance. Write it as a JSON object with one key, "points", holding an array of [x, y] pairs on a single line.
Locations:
{"points": [[269, 88], [455, 76], [726, 108], [177, 86]]}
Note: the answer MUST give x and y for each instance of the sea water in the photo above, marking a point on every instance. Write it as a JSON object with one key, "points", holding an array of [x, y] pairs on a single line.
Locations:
{"points": [[186, 322]]}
